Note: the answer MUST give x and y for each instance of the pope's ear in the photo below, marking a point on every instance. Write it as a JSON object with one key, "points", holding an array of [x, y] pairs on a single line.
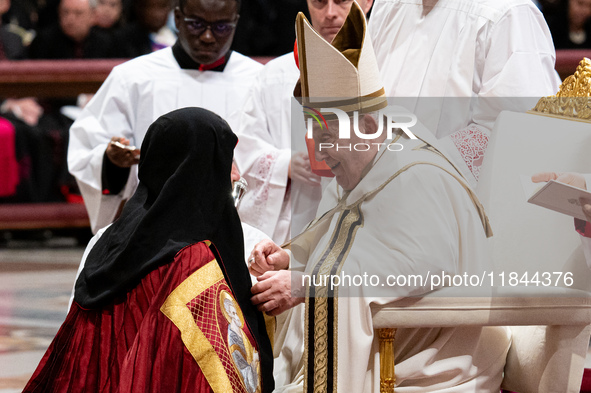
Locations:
{"points": [[370, 125]]}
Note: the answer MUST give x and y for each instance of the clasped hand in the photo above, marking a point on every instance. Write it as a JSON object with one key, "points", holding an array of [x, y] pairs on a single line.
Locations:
{"points": [[274, 293]]}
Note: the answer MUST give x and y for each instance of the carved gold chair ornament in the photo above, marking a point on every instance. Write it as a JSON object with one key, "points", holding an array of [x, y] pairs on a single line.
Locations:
{"points": [[573, 99]]}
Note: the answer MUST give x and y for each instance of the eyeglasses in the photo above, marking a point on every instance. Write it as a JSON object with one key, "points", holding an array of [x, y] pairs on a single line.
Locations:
{"points": [[197, 26]]}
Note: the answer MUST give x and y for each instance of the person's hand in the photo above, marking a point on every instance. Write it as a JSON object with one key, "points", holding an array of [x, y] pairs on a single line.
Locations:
{"points": [[25, 109], [267, 256], [300, 170], [123, 158], [83, 99], [273, 293], [570, 178], [586, 204]]}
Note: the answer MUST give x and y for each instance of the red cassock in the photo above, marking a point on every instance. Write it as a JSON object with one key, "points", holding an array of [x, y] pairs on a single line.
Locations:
{"points": [[179, 330]]}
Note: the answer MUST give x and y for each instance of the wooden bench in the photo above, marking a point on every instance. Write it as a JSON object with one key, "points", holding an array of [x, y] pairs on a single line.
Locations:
{"points": [[23, 216], [47, 78], [58, 78]]}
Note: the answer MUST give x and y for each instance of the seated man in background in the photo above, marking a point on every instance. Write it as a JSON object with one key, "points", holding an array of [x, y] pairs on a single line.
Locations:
{"points": [[37, 139], [199, 70], [73, 36]]}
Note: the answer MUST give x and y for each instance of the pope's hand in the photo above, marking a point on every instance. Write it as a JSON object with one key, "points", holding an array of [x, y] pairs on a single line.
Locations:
{"points": [[273, 293], [267, 256], [123, 158], [301, 171]]}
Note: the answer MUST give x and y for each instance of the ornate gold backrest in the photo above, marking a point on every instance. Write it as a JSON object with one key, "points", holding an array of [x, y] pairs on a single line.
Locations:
{"points": [[573, 99]]}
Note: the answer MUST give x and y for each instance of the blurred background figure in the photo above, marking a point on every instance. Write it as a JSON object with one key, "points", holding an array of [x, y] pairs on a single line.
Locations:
{"points": [[109, 14], [11, 44], [21, 18], [147, 30], [570, 23], [73, 36], [31, 147], [266, 27]]}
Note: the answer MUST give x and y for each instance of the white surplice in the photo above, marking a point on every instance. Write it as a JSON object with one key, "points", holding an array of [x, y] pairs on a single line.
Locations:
{"points": [[412, 214], [266, 143], [133, 96], [493, 50]]}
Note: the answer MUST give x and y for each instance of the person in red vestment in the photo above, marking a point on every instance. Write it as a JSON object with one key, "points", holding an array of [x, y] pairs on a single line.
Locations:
{"points": [[166, 283]]}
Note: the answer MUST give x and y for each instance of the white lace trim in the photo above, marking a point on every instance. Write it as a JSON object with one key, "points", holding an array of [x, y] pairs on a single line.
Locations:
{"points": [[471, 142]]}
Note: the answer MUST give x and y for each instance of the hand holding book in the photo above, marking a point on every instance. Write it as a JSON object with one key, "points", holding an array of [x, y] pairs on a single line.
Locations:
{"points": [[565, 192]]}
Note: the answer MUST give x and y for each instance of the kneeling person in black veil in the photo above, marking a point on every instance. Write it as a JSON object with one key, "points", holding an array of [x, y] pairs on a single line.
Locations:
{"points": [[163, 302]]}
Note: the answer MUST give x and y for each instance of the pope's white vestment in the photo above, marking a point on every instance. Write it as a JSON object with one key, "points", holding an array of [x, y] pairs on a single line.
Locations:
{"points": [[134, 95], [274, 205], [489, 50], [411, 214]]}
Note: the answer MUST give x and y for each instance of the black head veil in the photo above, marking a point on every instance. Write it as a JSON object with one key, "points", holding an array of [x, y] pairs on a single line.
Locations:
{"points": [[183, 197]]}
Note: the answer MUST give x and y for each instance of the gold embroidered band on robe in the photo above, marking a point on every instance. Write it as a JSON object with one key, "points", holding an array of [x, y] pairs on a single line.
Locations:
{"points": [[573, 100], [322, 306], [196, 307]]}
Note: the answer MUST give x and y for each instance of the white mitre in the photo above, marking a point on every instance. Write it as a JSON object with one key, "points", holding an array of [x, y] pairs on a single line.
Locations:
{"points": [[343, 74]]}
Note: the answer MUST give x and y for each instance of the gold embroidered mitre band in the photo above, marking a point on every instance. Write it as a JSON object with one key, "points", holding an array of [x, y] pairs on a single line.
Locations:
{"points": [[342, 75], [573, 100]]}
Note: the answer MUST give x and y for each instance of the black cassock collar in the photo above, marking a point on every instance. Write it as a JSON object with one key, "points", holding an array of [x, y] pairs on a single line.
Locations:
{"points": [[187, 63]]}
